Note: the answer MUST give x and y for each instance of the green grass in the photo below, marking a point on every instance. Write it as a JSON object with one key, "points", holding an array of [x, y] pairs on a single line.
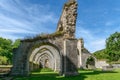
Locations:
{"points": [[42, 70], [83, 75]]}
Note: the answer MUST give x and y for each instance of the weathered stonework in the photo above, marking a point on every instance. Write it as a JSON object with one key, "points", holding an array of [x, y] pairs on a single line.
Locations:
{"points": [[70, 57], [60, 51], [67, 20], [83, 55]]}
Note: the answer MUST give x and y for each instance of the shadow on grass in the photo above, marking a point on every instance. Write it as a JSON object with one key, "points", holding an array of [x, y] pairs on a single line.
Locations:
{"points": [[95, 72], [83, 74], [55, 76]]}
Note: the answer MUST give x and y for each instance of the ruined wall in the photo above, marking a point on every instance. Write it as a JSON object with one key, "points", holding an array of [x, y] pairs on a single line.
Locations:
{"points": [[83, 54], [67, 22], [23, 53], [101, 64], [60, 46], [70, 57]]}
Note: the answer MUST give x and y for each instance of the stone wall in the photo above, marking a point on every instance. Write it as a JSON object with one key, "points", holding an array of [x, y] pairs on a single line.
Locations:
{"points": [[67, 21], [60, 51], [83, 54], [116, 65], [100, 64], [70, 57], [57, 51]]}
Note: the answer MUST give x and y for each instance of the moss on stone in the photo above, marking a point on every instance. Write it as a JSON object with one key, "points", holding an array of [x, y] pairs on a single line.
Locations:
{"points": [[43, 37]]}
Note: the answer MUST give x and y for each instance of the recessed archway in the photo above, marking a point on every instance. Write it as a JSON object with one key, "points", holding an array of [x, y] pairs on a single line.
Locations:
{"points": [[90, 62], [57, 51], [45, 56]]}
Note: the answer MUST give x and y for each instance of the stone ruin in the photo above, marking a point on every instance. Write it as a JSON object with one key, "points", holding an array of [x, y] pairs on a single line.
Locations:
{"points": [[59, 51]]}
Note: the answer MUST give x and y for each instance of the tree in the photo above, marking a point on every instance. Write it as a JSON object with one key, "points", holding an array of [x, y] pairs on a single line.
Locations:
{"points": [[113, 47], [6, 49], [16, 43], [101, 55], [90, 61], [3, 60]]}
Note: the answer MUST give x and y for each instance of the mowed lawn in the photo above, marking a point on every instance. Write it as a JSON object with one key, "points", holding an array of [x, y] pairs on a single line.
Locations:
{"points": [[83, 75]]}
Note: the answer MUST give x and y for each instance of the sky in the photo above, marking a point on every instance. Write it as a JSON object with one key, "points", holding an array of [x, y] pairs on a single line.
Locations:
{"points": [[96, 20]]}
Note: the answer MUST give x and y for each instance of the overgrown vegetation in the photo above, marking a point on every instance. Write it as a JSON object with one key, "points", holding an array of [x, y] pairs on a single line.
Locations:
{"points": [[6, 50], [3, 60], [112, 50], [100, 55], [43, 36], [90, 61], [113, 47]]}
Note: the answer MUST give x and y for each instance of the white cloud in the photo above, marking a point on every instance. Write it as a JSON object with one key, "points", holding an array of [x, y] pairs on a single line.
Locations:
{"points": [[9, 36], [10, 6], [23, 19], [16, 31], [91, 41], [109, 23], [19, 18], [96, 44], [81, 32]]}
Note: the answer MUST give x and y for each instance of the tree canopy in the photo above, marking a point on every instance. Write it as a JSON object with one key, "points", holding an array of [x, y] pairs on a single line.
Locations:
{"points": [[6, 50], [113, 47], [101, 55], [112, 50]]}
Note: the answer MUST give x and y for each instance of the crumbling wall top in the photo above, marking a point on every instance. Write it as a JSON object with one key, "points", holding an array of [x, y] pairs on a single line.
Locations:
{"points": [[67, 21]]}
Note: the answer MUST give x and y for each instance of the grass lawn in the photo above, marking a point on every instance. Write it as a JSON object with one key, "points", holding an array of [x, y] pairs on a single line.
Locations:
{"points": [[83, 75]]}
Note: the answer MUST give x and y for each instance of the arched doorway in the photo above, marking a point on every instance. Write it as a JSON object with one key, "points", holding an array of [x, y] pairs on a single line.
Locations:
{"points": [[45, 56], [90, 63]]}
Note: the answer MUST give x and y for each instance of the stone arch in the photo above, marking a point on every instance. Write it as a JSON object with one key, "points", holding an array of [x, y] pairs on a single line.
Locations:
{"points": [[90, 62], [50, 57], [60, 47], [49, 52]]}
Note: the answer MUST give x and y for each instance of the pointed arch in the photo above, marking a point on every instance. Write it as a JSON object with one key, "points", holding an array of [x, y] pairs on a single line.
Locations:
{"points": [[50, 53]]}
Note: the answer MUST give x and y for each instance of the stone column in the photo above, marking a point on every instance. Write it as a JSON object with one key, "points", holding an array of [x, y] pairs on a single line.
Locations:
{"points": [[70, 57], [80, 46]]}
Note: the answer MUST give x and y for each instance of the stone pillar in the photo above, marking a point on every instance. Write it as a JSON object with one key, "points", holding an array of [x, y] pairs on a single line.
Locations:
{"points": [[80, 46], [20, 61], [70, 57]]}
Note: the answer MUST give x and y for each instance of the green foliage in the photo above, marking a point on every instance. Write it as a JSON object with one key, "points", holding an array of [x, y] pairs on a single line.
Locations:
{"points": [[90, 61], [112, 50], [6, 49], [3, 60], [113, 47], [43, 36], [100, 54], [16, 43]]}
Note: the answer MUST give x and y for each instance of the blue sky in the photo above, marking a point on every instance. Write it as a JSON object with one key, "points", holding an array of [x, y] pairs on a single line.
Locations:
{"points": [[96, 20]]}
